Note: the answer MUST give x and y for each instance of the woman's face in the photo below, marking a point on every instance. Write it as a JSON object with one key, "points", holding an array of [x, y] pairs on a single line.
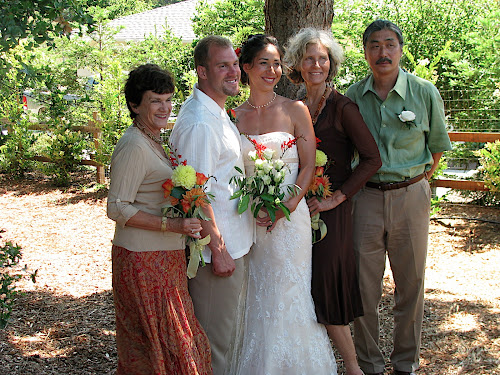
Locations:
{"points": [[154, 110], [315, 64], [265, 69]]}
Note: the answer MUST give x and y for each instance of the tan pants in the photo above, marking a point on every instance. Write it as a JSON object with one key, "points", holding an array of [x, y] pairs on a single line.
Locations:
{"points": [[219, 305], [396, 223]]}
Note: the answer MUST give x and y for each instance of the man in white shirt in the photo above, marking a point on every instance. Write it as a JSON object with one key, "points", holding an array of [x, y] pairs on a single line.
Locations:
{"points": [[207, 139]]}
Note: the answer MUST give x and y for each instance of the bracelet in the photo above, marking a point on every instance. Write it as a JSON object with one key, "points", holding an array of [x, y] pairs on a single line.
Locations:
{"points": [[163, 224]]}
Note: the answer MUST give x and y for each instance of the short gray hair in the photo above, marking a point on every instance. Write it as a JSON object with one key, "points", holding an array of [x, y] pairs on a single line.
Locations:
{"points": [[297, 46], [379, 25]]}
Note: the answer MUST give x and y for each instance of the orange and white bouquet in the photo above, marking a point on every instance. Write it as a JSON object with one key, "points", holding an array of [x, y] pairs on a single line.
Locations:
{"points": [[186, 196], [319, 188]]}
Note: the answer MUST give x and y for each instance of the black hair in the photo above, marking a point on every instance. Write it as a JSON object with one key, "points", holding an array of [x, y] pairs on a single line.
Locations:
{"points": [[379, 25], [251, 47]]}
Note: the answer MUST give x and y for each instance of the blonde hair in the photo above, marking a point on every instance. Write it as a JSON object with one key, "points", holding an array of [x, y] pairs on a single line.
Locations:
{"points": [[297, 46]]}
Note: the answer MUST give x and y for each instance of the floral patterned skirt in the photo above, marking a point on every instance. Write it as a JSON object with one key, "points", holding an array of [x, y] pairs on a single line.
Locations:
{"points": [[156, 329]]}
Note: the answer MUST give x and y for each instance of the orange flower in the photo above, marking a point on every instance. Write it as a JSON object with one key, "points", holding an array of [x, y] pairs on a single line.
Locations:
{"points": [[196, 195], [319, 171], [201, 178], [186, 205], [174, 201], [167, 187]]}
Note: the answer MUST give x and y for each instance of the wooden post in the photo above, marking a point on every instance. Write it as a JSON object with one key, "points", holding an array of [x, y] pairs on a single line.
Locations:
{"points": [[97, 134]]}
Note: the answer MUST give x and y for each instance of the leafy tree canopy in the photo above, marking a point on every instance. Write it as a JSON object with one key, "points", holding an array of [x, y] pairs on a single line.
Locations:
{"points": [[38, 21], [231, 18]]}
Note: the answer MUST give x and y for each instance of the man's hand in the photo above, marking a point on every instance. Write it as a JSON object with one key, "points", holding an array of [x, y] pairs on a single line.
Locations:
{"points": [[222, 263]]}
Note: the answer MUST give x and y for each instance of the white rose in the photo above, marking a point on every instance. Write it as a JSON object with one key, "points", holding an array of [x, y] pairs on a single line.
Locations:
{"points": [[279, 164], [252, 155], [260, 173], [407, 116], [268, 153], [266, 180], [259, 163], [267, 166], [271, 189], [277, 176]]}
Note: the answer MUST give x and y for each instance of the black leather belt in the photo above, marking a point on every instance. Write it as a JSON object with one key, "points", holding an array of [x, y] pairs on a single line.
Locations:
{"points": [[394, 185]]}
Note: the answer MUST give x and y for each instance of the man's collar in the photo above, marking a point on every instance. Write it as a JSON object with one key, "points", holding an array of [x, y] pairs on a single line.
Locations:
{"points": [[208, 102], [399, 87]]}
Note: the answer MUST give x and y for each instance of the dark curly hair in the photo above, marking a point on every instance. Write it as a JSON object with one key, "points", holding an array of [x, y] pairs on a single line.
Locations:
{"points": [[144, 78], [251, 47]]}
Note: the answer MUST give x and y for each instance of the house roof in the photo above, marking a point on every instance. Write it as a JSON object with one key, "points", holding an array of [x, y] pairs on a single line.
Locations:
{"points": [[177, 17]]}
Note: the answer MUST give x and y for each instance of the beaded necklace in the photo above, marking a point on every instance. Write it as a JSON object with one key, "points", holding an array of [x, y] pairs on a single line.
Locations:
{"points": [[321, 101], [263, 105], [142, 128]]}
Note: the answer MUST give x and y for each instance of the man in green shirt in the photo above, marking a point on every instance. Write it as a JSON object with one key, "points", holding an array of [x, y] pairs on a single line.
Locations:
{"points": [[405, 115]]}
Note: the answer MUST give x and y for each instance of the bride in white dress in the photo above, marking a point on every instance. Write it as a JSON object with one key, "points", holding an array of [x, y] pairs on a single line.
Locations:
{"points": [[281, 334]]}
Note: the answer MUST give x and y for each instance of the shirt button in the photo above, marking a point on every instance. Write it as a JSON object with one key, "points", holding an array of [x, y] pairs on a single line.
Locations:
{"points": [[383, 125], [383, 105]]}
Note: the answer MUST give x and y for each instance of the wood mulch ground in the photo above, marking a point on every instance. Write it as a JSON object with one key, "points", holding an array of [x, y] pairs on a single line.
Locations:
{"points": [[64, 324]]}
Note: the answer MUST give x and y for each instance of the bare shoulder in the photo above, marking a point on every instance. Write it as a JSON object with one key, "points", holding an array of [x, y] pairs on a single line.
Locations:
{"points": [[293, 107]]}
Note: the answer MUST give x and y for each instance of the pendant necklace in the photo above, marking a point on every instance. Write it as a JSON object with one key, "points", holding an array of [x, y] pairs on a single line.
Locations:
{"points": [[263, 105], [142, 128], [321, 101]]}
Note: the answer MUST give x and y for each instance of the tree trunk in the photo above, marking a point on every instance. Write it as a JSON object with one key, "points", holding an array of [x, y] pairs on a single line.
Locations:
{"points": [[284, 18]]}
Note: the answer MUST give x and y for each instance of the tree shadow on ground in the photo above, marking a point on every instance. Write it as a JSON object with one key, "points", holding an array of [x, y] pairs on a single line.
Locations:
{"points": [[469, 345], [52, 334]]}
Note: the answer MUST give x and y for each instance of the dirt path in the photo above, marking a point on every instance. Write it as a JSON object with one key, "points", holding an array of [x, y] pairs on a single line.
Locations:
{"points": [[64, 324]]}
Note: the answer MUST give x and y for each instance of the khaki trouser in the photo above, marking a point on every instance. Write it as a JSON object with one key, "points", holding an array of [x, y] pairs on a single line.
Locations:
{"points": [[219, 305], [396, 223]]}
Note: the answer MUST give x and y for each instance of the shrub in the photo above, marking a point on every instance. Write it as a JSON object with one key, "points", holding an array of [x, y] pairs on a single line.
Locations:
{"points": [[10, 273]]}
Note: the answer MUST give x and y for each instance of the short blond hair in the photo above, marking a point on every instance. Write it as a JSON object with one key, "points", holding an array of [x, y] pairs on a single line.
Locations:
{"points": [[297, 46]]}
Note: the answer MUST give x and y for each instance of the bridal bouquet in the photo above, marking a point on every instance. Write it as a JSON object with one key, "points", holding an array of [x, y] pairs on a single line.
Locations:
{"points": [[263, 188], [319, 188], [186, 197]]}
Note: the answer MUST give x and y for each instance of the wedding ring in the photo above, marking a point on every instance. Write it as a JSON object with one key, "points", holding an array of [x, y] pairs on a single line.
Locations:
{"points": [[192, 230]]}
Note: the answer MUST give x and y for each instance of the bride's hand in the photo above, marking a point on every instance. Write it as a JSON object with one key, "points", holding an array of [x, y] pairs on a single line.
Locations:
{"points": [[265, 221]]}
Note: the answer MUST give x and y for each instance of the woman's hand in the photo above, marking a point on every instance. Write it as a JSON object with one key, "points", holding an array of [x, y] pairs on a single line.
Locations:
{"points": [[190, 227], [265, 221], [326, 204]]}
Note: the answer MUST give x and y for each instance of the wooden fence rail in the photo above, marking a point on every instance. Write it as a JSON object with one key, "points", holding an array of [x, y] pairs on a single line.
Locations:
{"points": [[466, 184], [94, 128]]}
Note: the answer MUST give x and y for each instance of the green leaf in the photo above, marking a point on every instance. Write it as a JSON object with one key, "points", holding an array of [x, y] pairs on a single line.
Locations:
{"points": [[243, 204], [267, 197]]}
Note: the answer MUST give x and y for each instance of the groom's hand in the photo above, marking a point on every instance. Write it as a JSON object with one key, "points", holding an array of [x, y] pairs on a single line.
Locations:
{"points": [[222, 263]]}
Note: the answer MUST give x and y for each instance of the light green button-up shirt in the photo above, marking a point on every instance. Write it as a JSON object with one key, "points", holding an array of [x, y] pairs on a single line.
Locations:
{"points": [[405, 148]]}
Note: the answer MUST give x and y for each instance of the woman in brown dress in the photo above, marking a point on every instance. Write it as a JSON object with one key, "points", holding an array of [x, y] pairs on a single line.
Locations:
{"points": [[313, 57], [156, 329]]}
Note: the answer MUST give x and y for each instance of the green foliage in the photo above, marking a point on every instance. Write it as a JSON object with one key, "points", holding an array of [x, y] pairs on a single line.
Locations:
{"points": [[489, 157], [39, 22], [230, 18], [449, 41], [17, 150], [10, 273], [65, 150]]}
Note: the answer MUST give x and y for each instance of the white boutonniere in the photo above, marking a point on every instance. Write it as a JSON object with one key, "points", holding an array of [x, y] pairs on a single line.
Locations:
{"points": [[407, 117]]}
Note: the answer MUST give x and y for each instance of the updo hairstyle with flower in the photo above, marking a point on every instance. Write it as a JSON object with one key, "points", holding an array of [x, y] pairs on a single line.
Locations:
{"points": [[147, 77], [297, 47], [251, 47]]}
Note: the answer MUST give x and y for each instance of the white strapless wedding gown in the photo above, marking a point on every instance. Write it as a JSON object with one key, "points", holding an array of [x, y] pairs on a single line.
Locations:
{"points": [[281, 334]]}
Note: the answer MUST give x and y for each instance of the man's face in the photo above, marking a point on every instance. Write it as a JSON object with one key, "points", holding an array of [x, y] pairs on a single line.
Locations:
{"points": [[222, 73], [383, 52]]}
